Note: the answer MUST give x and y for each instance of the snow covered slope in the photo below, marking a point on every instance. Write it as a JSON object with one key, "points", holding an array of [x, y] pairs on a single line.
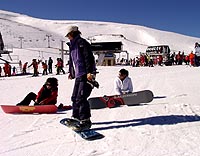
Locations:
{"points": [[134, 37], [168, 126]]}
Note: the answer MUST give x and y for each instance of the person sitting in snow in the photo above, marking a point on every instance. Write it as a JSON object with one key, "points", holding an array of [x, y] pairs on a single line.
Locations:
{"points": [[46, 96], [123, 83]]}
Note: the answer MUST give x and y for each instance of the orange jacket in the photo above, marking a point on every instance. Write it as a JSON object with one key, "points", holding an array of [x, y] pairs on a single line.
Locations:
{"points": [[44, 66], [191, 56]]}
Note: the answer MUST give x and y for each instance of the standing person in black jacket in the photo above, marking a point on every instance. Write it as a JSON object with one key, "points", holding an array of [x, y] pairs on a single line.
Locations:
{"points": [[50, 62], [82, 68]]}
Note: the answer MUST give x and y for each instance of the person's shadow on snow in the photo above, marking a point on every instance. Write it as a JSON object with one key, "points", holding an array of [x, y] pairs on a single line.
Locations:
{"points": [[156, 120]]}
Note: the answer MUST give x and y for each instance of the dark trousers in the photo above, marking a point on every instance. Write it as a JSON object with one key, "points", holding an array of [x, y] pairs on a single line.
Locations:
{"points": [[27, 100], [50, 68], [81, 91], [35, 72], [60, 69], [44, 72]]}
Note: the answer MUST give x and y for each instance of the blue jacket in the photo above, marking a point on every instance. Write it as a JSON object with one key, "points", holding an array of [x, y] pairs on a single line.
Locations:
{"points": [[81, 58]]}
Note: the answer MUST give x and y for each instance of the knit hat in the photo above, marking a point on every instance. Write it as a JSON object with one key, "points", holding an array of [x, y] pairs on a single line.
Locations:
{"points": [[71, 28]]}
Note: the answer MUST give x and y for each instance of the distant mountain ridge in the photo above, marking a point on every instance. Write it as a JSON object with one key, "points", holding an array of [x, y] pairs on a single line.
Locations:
{"points": [[35, 33]]}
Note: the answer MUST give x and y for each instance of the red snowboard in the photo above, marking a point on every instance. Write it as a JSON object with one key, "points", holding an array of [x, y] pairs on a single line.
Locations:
{"points": [[29, 109]]}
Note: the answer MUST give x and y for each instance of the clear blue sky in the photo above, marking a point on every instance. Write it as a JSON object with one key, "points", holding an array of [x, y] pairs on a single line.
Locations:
{"points": [[181, 16]]}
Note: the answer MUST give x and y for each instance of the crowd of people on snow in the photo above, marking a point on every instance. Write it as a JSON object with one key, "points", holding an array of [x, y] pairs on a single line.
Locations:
{"points": [[173, 59], [47, 67], [180, 58], [191, 59]]}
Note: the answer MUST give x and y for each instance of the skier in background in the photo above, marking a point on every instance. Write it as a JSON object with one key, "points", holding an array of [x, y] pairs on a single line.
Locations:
{"points": [[7, 69], [14, 69], [35, 67], [192, 59], [50, 62], [62, 66], [24, 68], [197, 54], [20, 66], [44, 66], [59, 66]]}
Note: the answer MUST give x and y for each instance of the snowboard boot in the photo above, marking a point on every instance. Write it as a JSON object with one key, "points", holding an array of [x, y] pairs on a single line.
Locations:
{"points": [[83, 125], [73, 122]]}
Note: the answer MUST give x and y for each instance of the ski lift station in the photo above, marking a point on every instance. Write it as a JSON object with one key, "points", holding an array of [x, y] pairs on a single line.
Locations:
{"points": [[106, 52]]}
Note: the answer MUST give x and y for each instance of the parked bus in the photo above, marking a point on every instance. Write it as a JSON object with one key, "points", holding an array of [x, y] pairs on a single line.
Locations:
{"points": [[158, 50], [163, 50]]}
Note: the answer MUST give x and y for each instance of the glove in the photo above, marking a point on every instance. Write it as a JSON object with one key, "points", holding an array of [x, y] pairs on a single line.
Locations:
{"points": [[93, 83], [36, 103], [89, 77]]}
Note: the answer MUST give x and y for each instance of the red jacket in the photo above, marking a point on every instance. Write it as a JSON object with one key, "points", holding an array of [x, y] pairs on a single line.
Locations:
{"points": [[25, 65], [47, 96], [44, 66]]}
